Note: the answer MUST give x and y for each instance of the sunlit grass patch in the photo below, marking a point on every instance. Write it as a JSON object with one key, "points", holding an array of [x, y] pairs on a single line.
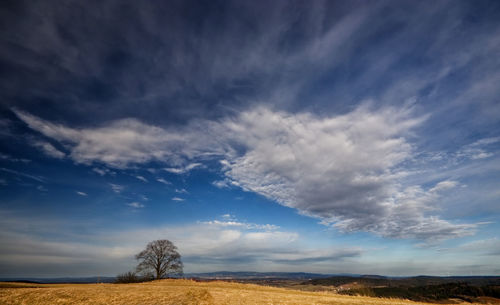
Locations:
{"points": [[174, 292]]}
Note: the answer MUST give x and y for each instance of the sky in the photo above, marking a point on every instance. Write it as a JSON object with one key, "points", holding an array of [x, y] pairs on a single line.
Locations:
{"points": [[334, 137]]}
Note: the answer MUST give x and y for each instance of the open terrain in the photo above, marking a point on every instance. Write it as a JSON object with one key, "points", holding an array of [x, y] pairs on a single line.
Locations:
{"points": [[420, 288], [176, 292]]}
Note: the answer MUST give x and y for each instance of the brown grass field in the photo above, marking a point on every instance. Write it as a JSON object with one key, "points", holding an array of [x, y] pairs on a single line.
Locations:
{"points": [[173, 292]]}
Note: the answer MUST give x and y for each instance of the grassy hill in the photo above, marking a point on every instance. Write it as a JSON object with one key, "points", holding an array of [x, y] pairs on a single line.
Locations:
{"points": [[170, 292]]}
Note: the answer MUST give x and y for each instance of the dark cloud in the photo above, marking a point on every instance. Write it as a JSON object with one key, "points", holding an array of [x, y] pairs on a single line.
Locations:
{"points": [[93, 61], [162, 62]]}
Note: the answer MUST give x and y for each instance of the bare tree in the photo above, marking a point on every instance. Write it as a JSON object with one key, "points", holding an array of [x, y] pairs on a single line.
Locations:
{"points": [[160, 258]]}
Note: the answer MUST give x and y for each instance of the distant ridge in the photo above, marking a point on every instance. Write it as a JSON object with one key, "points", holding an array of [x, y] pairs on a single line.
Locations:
{"points": [[227, 275], [421, 280], [315, 278], [59, 280], [243, 275]]}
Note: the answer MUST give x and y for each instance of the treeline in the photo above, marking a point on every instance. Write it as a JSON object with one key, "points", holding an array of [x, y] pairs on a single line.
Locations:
{"points": [[342, 280], [429, 293], [132, 277]]}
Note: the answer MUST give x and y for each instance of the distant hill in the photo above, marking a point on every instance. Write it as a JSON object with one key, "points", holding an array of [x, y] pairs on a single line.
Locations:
{"points": [[66, 280], [221, 275], [377, 280], [309, 278], [246, 275]]}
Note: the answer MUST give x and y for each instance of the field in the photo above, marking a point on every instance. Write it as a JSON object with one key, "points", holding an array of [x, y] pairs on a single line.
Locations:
{"points": [[174, 292]]}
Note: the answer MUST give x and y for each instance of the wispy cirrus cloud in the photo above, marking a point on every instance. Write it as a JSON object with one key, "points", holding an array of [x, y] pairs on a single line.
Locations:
{"points": [[25, 175]]}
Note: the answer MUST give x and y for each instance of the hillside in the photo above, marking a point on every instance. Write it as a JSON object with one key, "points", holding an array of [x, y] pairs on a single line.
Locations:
{"points": [[377, 280], [420, 288], [170, 292]]}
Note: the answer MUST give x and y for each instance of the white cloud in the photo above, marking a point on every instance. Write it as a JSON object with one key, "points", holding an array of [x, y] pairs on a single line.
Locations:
{"points": [[42, 188], [406, 217], [103, 171], [142, 178], [117, 188], [203, 246], [444, 185], [478, 149], [481, 155], [48, 149], [489, 246], [342, 169], [161, 180], [21, 174], [118, 144], [182, 170], [12, 159], [177, 199], [486, 141], [209, 246], [222, 183], [136, 205], [100, 171], [224, 223], [81, 193], [181, 191], [248, 226]]}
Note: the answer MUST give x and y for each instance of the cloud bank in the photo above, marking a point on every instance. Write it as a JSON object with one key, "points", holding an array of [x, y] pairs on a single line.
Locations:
{"points": [[205, 246], [343, 169]]}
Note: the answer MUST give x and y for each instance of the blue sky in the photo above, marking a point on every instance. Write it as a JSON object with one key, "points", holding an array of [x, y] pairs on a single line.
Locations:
{"points": [[318, 136]]}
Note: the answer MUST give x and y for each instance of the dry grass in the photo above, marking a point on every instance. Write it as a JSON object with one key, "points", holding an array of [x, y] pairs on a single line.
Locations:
{"points": [[174, 292]]}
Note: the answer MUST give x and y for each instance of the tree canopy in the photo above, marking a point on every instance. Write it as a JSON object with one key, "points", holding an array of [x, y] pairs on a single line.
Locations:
{"points": [[160, 259]]}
